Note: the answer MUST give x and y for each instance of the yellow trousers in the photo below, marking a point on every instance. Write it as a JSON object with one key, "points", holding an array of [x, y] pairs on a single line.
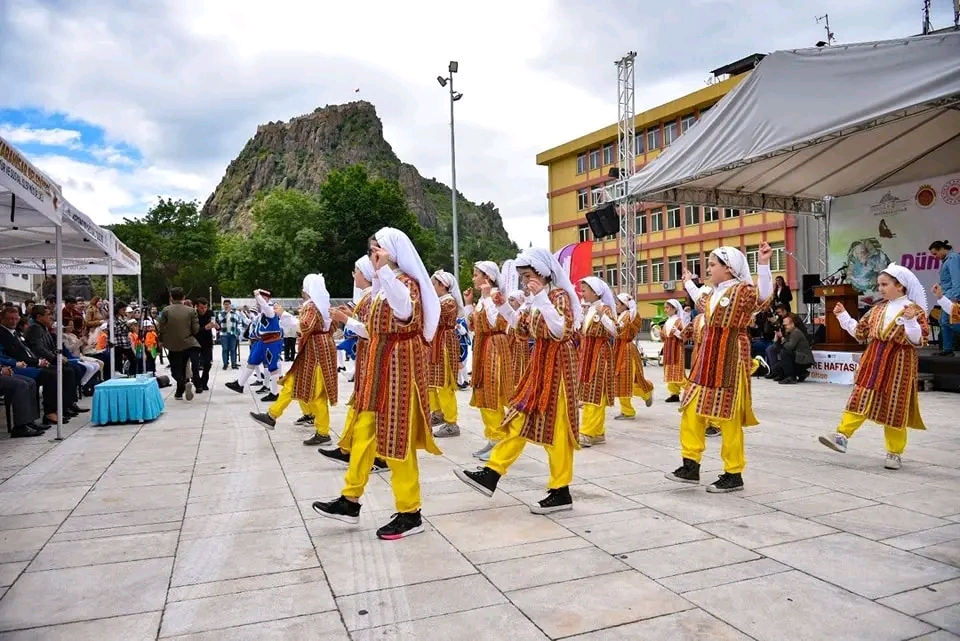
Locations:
{"points": [[346, 439], [674, 388], [593, 421], [444, 400], [626, 402], [491, 423], [693, 438], [319, 407], [559, 455], [895, 439], [404, 475]]}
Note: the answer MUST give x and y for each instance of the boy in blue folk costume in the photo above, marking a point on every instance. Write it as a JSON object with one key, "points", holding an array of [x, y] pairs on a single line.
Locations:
{"points": [[266, 338]]}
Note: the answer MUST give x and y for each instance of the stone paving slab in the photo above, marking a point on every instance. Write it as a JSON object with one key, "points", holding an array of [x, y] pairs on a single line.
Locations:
{"points": [[198, 526]]}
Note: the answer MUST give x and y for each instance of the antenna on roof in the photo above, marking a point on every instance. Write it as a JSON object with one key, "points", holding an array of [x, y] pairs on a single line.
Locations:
{"points": [[825, 18], [927, 26]]}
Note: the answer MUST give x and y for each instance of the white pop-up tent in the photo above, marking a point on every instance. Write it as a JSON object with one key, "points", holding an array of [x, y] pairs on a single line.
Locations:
{"points": [[811, 123]]}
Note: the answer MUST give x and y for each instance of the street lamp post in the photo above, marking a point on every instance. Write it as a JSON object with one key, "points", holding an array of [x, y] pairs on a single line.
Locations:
{"points": [[454, 96]]}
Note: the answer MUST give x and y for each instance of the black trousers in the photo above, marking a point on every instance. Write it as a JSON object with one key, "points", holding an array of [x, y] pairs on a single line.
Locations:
{"points": [[289, 348], [206, 364], [20, 393], [178, 367], [790, 367]]}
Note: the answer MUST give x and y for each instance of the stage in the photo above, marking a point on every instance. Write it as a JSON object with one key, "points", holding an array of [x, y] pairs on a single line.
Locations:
{"points": [[945, 369]]}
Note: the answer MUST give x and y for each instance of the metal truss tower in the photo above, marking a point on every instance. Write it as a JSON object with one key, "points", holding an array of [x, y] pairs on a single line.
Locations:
{"points": [[626, 152]]}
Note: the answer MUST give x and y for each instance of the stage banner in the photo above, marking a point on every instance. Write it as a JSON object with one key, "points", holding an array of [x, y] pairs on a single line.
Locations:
{"points": [[838, 368], [870, 230]]}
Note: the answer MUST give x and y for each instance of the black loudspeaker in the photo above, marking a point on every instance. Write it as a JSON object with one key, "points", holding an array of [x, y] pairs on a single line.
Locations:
{"points": [[163, 381], [808, 282], [604, 221]]}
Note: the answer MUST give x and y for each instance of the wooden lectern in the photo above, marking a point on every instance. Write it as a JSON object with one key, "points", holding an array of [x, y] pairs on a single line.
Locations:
{"points": [[838, 340]]}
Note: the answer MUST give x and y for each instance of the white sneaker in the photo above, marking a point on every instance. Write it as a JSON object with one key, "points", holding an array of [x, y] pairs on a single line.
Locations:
{"points": [[892, 461], [484, 450], [836, 442], [188, 391]]}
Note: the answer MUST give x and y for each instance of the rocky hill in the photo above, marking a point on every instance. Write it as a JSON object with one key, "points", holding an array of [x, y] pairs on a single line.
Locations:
{"points": [[300, 153]]}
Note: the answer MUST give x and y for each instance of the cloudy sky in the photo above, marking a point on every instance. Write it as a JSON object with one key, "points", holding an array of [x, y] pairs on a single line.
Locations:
{"points": [[124, 100]]}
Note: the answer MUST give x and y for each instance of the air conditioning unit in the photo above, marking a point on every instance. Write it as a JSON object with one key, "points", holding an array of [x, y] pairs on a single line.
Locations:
{"points": [[670, 286]]}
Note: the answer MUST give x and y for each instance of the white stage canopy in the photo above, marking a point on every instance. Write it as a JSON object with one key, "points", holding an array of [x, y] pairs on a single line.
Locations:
{"points": [[82, 239], [810, 123], [28, 197]]}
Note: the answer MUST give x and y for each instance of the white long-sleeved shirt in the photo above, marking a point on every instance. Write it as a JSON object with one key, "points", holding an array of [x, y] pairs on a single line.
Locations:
{"points": [[396, 293], [265, 307], [593, 313], [911, 326], [356, 326], [764, 287], [541, 305], [946, 305], [486, 304]]}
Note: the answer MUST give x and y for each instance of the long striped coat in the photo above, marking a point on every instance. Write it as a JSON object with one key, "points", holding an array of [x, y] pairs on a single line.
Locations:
{"points": [[361, 312], [595, 371], [395, 371], [316, 349], [520, 345], [628, 366], [491, 375], [722, 366], [553, 362], [673, 367], [445, 348], [885, 387]]}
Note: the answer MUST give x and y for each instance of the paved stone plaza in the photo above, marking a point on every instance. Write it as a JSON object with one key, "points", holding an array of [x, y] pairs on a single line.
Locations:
{"points": [[199, 526]]}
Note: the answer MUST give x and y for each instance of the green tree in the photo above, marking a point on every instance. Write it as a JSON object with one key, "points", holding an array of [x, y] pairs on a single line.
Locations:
{"points": [[177, 248]]}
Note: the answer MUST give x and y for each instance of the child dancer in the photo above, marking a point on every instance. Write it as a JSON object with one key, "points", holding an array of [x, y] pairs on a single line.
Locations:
{"points": [[491, 353], [885, 387], [265, 350], [674, 373], [518, 334], [543, 410], [595, 368], [718, 390], [391, 403], [445, 358], [629, 380]]}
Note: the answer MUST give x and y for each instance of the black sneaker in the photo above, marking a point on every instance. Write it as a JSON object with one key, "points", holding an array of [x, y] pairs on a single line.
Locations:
{"points": [[235, 386], [713, 431], [379, 465], [483, 480], [336, 454], [689, 472], [404, 524], [945, 352], [269, 398], [318, 439], [340, 509], [558, 500], [726, 483], [306, 419], [673, 398], [262, 389], [264, 419]]}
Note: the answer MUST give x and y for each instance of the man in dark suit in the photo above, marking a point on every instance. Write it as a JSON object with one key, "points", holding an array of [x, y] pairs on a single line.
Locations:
{"points": [[17, 355], [178, 326], [20, 393], [42, 341]]}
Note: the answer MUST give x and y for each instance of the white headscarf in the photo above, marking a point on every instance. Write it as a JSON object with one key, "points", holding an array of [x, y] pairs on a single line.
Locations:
{"points": [[491, 270], [316, 288], [630, 303], [736, 261], [673, 302], [602, 290], [509, 278], [400, 248], [544, 263], [911, 283], [365, 267], [447, 280], [517, 294]]}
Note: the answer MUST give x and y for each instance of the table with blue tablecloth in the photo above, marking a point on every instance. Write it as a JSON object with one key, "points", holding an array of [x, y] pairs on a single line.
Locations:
{"points": [[123, 400]]}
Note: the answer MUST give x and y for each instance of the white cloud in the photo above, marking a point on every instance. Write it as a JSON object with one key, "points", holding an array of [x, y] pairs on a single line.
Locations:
{"points": [[24, 135]]}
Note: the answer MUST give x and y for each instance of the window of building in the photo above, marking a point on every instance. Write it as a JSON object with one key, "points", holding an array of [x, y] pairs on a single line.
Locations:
{"points": [[670, 132], [612, 276], [711, 214], [656, 271], [638, 143], [656, 219], [608, 155], [673, 217], [641, 222], [653, 139], [691, 215], [752, 252], [581, 163], [582, 202], [686, 122], [675, 268], [583, 232], [731, 213], [595, 159], [693, 263], [778, 261], [596, 196], [643, 272]]}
